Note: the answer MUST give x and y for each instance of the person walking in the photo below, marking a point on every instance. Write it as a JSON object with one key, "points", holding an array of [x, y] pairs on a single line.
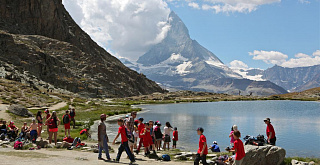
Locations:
{"points": [[238, 148], [124, 142], [103, 138], [203, 149], [271, 134], [130, 127], [140, 128]]}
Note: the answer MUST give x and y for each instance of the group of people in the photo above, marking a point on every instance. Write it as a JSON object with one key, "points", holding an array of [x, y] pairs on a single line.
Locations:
{"points": [[34, 131], [131, 131]]}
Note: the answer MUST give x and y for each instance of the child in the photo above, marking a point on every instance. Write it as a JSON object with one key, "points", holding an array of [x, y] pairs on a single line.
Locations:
{"points": [[39, 118], [158, 134], [140, 128], [215, 147], [233, 128], [203, 149], [147, 139], [152, 147], [33, 131], [124, 142], [167, 129], [66, 118], [135, 133], [175, 137], [238, 148]]}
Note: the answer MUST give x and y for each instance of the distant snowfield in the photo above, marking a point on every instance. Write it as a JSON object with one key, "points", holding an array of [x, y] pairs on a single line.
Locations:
{"points": [[243, 73]]}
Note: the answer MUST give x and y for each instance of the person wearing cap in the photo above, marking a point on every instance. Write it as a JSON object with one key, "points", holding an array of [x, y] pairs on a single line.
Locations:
{"points": [[33, 130], [271, 134], [214, 147], [13, 130], [103, 138], [140, 128], [203, 149]]}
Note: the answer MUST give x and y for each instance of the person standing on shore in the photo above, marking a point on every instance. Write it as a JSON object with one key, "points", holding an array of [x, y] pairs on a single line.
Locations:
{"points": [[66, 121], [238, 148], [233, 128], [271, 134], [124, 142], [167, 139], [103, 138], [130, 127], [47, 117], [33, 131], [203, 149], [175, 137], [72, 115]]}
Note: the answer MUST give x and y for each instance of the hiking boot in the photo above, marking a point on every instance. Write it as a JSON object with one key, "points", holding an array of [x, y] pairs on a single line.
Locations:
{"points": [[132, 162], [116, 160], [137, 152], [100, 159]]}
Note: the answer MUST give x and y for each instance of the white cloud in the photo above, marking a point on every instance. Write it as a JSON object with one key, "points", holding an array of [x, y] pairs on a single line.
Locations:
{"points": [[231, 6], [236, 64], [269, 57], [274, 57], [316, 53], [304, 1], [194, 5], [127, 27]]}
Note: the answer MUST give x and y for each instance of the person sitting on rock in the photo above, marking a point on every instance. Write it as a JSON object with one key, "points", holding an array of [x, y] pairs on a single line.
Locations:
{"points": [[214, 147], [24, 131], [13, 130]]}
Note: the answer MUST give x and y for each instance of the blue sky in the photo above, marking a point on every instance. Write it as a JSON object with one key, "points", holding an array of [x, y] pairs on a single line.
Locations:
{"points": [[290, 27], [242, 33]]}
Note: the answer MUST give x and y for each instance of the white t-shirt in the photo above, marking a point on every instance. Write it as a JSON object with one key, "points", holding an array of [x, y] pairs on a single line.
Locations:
{"points": [[167, 130]]}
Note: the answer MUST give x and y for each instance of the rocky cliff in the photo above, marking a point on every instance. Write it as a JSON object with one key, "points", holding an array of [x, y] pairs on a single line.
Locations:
{"points": [[43, 46]]}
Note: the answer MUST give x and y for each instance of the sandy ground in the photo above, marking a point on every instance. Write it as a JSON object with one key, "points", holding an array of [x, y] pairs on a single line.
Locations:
{"points": [[9, 156], [3, 114]]}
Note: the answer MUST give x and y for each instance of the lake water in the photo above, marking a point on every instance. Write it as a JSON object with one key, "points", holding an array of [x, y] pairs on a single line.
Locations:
{"points": [[297, 123]]}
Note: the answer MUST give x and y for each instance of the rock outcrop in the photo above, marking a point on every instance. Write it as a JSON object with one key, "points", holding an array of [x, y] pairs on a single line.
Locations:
{"points": [[19, 110], [41, 40], [263, 155]]}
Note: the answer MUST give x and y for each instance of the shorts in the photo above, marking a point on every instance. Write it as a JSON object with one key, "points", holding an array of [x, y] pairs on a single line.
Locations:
{"points": [[33, 133], [53, 130], [147, 142], [67, 126], [167, 139], [174, 142], [40, 124]]}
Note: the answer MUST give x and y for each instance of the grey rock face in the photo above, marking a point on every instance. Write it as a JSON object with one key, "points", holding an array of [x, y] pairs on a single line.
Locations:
{"points": [[19, 110], [39, 38], [263, 155]]}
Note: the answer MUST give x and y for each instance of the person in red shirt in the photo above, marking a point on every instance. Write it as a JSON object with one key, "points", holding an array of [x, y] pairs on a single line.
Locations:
{"points": [[85, 131], [13, 130], [238, 148], [203, 149], [147, 139], [175, 137], [66, 118], [46, 111], [124, 142], [271, 134], [140, 128]]}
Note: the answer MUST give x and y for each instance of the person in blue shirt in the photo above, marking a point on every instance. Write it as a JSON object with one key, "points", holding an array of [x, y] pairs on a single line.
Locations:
{"points": [[215, 147]]}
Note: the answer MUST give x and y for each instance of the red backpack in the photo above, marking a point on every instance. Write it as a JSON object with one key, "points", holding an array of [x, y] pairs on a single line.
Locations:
{"points": [[18, 145]]}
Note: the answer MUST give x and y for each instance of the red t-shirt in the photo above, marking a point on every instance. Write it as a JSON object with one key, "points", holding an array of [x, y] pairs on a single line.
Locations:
{"points": [[122, 131], [140, 128], [147, 135], [270, 129], [48, 115], [175, 135], [12, 126], [202, 140], [240, 149]]}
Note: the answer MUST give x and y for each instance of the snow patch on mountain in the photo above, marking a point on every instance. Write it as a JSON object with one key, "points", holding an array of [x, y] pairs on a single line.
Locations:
{"points": [[182, 69]]}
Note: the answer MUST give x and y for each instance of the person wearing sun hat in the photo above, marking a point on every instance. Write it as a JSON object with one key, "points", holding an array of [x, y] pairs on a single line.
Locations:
{"points": [[103, 138], [271, 135]]}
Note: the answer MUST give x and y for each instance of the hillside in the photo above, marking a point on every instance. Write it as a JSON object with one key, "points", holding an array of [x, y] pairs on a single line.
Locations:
{"points": [[308, 95], [41, 45]]}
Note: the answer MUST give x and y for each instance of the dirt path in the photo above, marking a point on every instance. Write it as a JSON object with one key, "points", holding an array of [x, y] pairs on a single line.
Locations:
{"points": [[63, 157], [3, 114]]}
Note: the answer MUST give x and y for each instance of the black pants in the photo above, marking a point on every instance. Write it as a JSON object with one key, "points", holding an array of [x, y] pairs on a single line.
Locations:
{"points": [[273, 141], [198, 158], [125, 146]]}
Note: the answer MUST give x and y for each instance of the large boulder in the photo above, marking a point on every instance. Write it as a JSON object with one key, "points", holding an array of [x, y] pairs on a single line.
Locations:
{"points": [[42, 143], [263, 155], [19, 110]]}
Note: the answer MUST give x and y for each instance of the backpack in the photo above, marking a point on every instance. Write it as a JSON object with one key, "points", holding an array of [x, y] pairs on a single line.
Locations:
{"points": [[18, 145], [51, 124], [128, 134], [72, 114], [66, 119], [76, 141], [165, 157], [68, 139]]}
